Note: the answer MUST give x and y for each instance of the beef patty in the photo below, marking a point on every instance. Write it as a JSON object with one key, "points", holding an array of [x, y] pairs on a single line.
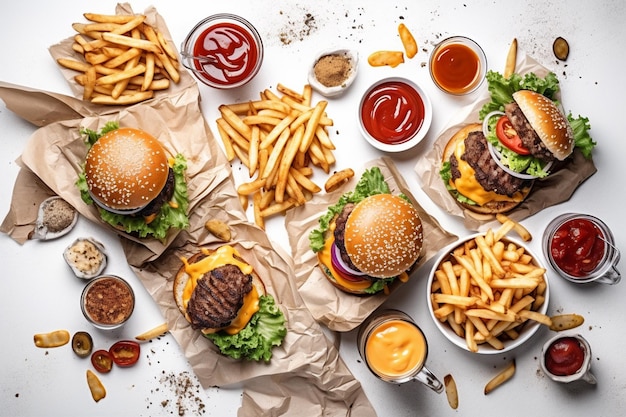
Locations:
{"points": [[527, 134], [340, 230], [164, 196], [218, 297], [488, 173]]}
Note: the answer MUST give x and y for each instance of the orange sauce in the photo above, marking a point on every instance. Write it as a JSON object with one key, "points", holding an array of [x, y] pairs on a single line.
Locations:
{"points": [[395, 348], [456, 68]]}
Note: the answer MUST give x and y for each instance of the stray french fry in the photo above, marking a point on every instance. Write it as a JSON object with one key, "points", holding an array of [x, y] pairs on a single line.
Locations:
{"points": [[53, 339], [152, 333], [219, 229], [337, 179], [96, 388], [408, 41], [519, 229], [386, 58], [504, 375], [451, 391], [511, 59], [566, 321]]}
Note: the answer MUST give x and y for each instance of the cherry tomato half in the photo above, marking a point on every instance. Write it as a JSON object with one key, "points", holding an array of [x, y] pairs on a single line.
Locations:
{"points": [[102, 361], [508, 136], [125, 352]]}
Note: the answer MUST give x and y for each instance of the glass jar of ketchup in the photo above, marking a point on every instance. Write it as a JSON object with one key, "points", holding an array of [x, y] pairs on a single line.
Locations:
{"points": [[567, 358], [581, 249], [223, 51]]}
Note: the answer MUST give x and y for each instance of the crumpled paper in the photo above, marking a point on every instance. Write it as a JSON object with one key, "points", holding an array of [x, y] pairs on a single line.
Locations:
{"points": [[556, 188], [306, 368], [336, 309]]}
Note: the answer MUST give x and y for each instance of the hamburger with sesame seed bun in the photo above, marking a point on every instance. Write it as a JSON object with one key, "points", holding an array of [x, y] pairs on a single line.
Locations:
{"points": [[136, 186], [369, 238]]}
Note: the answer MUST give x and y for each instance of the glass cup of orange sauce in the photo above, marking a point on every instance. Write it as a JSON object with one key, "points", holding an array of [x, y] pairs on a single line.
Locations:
{"points": [[223, 51], [458, 65], [395, 349], [581, 248]]}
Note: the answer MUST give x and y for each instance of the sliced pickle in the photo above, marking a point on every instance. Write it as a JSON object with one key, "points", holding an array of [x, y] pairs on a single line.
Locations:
{"points": [[560, 47], [82, 344]]}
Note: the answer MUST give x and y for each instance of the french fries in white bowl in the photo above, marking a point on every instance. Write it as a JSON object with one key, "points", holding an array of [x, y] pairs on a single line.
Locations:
{"points": [[488, 293]]}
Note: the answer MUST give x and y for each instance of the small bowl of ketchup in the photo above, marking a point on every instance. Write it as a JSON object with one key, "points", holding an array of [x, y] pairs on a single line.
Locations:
{"points": [[223, 51], [567, 358], [395, 114], [581, 248], [458, 65]]}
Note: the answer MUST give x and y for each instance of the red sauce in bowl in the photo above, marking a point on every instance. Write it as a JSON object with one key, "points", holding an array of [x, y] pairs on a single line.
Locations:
{"points": [[577, 247], [226, 53], [565, 356], [456, 68], [392, 112]]}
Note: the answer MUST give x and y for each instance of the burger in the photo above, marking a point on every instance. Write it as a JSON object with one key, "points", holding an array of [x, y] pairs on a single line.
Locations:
{"points": [[491, 167], [369, 239], [136, 186], [223, 297]]}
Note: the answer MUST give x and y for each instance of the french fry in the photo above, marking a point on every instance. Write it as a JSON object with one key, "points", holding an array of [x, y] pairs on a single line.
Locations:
{"points": [[503, 376], [337, 179], [386, 58], [452, 393], [519, 229], [511, 59], [96, 388], [408, 41], [152, 333], [52, 339]]}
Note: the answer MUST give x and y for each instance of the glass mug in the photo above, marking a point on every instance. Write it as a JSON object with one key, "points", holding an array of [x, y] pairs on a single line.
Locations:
{"points": [[395, 349], [579, 367], [570, 234]]}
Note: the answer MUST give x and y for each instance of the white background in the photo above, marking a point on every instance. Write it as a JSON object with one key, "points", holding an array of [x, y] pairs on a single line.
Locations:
{"points": [[39, 293]]}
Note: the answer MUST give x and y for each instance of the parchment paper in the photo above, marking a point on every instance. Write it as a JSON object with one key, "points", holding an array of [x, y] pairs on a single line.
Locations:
{"points": [[556, 188], [336, 309], [306, 371]]}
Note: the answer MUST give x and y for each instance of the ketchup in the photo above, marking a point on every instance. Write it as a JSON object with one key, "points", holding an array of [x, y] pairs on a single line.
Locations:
{"points": [[455, 68], [565, 356], [577, 247], [231, 51], [393, 112]]}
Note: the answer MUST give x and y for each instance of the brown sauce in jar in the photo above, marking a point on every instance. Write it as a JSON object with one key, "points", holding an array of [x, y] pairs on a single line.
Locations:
{"points": [[109, 301]]}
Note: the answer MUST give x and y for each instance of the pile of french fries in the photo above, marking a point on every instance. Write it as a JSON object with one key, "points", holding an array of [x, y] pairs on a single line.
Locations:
{"points": [[488, 288], [278, 138], [122, 59]]}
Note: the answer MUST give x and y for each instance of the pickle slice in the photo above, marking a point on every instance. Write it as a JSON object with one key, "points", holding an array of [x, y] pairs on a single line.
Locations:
{"points": [[560, 47], [82, 344]]}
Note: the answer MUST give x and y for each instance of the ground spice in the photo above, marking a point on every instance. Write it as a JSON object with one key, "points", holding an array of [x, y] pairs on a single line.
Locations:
{"points": [[333, 70], [57, 215], [109, 301]]}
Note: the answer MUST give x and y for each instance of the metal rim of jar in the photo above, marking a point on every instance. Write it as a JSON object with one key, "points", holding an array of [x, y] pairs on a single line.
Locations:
{"points": [[474, 46], [186, 49], [86, 290], [607, 260]]}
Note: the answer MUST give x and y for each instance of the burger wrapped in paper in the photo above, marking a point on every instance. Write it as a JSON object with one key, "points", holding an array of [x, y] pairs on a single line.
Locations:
{"points": [[490, 167], [137, 187], [223, 297], [369, 238]]}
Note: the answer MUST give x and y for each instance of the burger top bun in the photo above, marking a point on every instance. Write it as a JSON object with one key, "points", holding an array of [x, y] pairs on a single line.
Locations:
{"points": [[548, 121], [126, 169], [383, 235]]}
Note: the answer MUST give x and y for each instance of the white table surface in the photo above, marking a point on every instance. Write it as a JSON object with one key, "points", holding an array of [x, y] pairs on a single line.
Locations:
{"points": [[38, 293]]}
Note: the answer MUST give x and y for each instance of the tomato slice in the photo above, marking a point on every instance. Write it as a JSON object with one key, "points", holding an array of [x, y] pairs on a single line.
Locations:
{"points": [[102, 361], [125, 352], [508, 136]]}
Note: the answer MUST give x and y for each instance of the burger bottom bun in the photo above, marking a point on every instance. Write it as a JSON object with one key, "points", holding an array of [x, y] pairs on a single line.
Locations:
{"points": [[181, 278], [491, 207]]}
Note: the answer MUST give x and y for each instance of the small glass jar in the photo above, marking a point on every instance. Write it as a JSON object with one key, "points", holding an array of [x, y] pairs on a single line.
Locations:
{"points": [[223, 51], [581, 248], [107, 302], [574, 359], [458, 65]]}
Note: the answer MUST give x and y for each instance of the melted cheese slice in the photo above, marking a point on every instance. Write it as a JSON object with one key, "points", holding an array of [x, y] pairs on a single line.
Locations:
{"points": [[222, 256], [467, 184]]}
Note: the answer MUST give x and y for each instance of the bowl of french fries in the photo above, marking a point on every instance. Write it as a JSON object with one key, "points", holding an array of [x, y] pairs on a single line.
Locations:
{"points": [[488, 293]]}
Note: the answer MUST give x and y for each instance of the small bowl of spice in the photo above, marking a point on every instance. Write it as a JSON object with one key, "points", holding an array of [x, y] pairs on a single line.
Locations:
{"points": [[333, 71], [55, 218], [107, 302]]}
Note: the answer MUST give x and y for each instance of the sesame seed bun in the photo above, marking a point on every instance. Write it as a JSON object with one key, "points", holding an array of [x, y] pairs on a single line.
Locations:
{"points": [[126, 169], [548, 121], [383, 236]]}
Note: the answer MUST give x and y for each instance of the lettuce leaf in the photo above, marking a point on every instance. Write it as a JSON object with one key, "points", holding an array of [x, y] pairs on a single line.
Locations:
{"points": [[265, 330], [372, 182]]}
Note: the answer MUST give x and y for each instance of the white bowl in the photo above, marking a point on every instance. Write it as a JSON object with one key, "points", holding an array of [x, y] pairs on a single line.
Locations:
{"points": [[332, 91], [393, 132], [525, 333]]}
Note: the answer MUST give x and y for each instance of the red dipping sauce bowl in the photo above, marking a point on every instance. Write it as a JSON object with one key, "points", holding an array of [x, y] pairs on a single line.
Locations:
{"points": [[567, 358], [581, 248], [223, 51], [395, 114]]}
